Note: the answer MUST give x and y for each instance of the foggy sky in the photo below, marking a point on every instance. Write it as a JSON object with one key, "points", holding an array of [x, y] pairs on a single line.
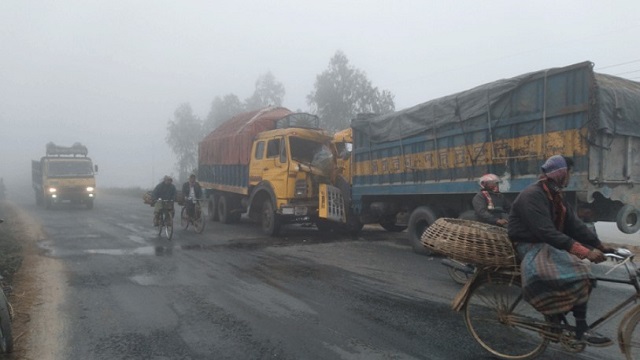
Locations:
{"points": [[110, 74]]}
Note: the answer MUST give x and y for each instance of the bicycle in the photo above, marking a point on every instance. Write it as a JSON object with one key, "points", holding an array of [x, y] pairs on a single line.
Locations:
{"points": [[6, 316], [197, 220], [459, 271], [506, 326], [165, 219]]}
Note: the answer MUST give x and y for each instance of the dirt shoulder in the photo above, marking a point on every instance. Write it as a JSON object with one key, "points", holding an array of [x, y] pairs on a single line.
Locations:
{"points": [[38, 288]]}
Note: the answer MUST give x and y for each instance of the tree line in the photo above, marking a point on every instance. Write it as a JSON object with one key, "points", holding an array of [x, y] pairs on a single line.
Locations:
{"points": [[339, 93]]}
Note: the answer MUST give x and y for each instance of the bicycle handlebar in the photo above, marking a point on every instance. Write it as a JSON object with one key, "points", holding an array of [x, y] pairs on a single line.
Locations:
{"points": [[620, 254]]}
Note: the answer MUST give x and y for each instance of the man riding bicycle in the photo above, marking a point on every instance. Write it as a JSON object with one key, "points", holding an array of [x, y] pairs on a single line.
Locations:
{"points": [[191, 191], [165, 190], [552, 241]]}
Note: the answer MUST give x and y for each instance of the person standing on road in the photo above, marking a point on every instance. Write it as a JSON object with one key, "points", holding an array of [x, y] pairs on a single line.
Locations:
{"points": [[490, 205], [191, 191], [552, 241], [165, 190]]}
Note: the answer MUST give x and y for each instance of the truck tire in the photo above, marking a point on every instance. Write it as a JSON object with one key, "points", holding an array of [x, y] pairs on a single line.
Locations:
{"points": [[224, 210], [270, 221], [90, 204], [212, 208], [421, 218], [628, 219]]}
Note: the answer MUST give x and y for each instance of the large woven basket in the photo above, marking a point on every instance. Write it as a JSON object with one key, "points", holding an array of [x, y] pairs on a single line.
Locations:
{"points": [[470, 242]]}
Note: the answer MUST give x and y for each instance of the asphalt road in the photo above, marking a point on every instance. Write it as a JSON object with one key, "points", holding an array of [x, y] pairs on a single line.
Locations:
{"points": [[231, 293]]}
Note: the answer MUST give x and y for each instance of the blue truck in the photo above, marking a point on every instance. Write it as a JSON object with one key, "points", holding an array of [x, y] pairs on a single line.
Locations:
{"points": [[410, 167]]}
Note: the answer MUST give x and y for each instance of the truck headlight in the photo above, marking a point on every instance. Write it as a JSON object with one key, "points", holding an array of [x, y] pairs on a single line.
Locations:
{"points": [[52, 190], [89, 188], [301, 189]]}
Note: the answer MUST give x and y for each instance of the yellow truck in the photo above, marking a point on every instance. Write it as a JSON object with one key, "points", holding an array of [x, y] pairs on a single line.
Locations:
{"points": [[276, 166], [65, 173]]}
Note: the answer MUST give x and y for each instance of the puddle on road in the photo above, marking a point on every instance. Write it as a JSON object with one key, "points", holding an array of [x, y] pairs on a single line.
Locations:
{"points": [[145, 280], [145, 250]]}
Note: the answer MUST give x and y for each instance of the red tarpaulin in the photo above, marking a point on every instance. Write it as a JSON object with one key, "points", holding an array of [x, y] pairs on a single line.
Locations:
{"points": [[230, 143]]}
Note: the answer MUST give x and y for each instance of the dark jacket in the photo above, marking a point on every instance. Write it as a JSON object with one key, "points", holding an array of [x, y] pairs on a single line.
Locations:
{"points": [[196, 187], [500, 207], [164, 191], [531, 221]]}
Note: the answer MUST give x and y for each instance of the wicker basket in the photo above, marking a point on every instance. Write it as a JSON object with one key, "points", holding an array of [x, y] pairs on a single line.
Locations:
{"points": [[470, 242], [147, 198]]}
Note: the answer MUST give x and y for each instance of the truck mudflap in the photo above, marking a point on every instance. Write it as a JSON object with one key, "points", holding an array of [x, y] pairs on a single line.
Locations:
{"points": [[331, 204]]}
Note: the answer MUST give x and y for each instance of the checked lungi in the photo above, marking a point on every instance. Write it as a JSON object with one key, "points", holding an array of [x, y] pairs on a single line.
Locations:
{"points": [[553, 280]]}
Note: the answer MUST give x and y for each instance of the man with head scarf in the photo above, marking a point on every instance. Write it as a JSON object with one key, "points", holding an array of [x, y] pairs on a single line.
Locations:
{"points": [[551, 241]]}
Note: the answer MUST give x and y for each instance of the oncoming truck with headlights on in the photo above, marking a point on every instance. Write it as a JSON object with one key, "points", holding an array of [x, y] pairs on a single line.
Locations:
{"points": [[65, 173]]}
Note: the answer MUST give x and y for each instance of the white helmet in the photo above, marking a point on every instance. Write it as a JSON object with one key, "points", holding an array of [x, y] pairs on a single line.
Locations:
{"points": [[488, 178]]}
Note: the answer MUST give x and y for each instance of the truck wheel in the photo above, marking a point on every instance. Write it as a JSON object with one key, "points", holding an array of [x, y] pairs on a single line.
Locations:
{"points": [[421, 218], [90, 204], [468, 215], [212, 208], [628, 219], [224, 210], [270, 220]]}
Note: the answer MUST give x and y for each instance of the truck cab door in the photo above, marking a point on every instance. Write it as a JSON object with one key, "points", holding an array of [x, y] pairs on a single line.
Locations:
{"points": [[273, 166]]}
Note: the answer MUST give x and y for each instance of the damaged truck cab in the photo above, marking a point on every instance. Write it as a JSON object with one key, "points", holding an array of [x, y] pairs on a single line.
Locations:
{"points": [[276, 166]]}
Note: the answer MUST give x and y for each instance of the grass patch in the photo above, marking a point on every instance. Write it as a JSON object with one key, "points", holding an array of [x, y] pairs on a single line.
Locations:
{"points": [[11, 249]]}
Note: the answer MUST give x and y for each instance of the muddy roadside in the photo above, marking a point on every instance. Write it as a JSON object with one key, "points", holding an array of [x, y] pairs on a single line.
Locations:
{"points": [[36, 282]]}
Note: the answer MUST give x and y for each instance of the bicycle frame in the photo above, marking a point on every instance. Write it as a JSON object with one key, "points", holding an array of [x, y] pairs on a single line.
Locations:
{"points": [[563, 332]]}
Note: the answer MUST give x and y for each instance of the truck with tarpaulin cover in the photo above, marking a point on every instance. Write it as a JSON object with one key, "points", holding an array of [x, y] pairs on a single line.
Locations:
{"points": [[413, 166], [65, 173], [276, 166]]}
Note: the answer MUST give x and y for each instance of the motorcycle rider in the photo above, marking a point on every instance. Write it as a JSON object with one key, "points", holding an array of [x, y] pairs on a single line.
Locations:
{"points": [[165, 190]]}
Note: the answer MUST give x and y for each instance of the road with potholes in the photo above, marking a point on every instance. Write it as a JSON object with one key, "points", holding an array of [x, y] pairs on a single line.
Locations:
{"points": [[111, 289]]}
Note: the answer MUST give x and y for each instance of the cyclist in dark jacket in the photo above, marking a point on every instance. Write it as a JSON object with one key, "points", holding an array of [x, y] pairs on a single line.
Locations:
{"points": [[551, 241], [165, 191], [191, 191]]}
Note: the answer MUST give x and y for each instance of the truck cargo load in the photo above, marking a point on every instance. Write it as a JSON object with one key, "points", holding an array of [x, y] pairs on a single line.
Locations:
{"points": [[415, 165]]}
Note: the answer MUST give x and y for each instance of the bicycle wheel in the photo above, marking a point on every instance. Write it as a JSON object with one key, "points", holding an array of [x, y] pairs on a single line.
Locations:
{"points": [[198, 222], [184, 218], [6, 337], [168, 225], [630, 334], [501, 321]]}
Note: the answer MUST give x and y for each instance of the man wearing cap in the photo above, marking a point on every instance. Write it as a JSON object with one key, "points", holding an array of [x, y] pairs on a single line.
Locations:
{"points": [[165, 190], [551, 241]]}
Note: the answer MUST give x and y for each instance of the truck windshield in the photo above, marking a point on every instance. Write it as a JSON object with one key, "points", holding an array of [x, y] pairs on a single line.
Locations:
{"points": [[64, 168], [310, 152]]}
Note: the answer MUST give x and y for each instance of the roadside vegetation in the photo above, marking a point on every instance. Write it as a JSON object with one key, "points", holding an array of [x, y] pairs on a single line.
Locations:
{"points": [[11, 248]]}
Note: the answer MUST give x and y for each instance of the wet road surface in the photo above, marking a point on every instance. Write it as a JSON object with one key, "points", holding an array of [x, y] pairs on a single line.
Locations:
{"points": [[231, 293]]}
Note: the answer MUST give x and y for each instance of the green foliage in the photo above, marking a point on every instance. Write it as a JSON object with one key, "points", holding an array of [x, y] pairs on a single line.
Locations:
{"points": [[268, 92], [342, 91], [222, 109], [183, 135]]}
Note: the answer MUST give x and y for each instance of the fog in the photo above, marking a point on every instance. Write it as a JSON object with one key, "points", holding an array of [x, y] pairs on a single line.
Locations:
{"points": [[110, 74]]}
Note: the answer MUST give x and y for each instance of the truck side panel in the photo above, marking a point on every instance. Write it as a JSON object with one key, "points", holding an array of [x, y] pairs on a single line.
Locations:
{"points": [[232, 178]]}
